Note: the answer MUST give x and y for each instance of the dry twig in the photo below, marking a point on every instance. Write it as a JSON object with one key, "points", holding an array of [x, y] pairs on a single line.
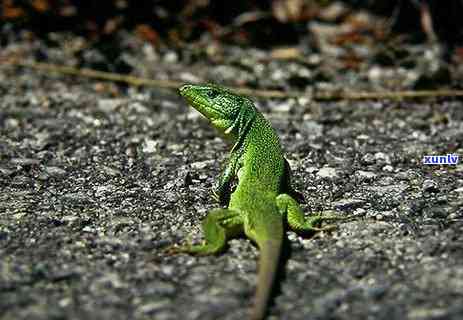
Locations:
{"points": [[172, 84]]}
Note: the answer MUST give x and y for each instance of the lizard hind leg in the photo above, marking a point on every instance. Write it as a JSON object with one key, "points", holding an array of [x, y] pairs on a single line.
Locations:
{"points": [[295, 216], [218, 226]]}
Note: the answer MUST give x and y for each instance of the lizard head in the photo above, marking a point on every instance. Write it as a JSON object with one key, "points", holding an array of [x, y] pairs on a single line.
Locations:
{"points": [[223, 108]]}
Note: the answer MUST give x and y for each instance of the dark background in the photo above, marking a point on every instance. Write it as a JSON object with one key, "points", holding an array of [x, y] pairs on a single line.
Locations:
{"points": [[247, 23]]}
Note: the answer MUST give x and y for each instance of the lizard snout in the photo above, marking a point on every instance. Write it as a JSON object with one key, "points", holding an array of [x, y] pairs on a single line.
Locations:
{"points": [[184, 88]]}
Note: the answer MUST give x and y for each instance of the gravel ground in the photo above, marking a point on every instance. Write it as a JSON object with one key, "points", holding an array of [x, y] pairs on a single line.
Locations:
{"points": [[97, 180]]}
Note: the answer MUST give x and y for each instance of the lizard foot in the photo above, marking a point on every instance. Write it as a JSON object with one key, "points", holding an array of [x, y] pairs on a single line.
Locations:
{"points": [[173, 250], [313, 221], [196, 250]]}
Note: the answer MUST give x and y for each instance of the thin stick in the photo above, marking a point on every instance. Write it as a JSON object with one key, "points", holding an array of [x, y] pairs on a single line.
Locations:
{"points": [[94, 74], [172, 84]]}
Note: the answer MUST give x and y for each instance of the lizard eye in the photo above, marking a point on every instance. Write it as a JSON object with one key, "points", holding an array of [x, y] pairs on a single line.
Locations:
{"points": [[211, 94]]}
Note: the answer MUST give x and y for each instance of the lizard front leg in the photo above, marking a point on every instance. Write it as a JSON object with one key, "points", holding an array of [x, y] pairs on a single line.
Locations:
{"points": [[222, 190]]}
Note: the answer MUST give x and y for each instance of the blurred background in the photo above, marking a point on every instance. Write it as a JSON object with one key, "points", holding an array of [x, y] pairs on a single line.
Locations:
{"points": [[121, 35]]}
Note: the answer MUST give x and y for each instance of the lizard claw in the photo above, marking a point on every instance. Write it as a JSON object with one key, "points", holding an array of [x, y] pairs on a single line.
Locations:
{"points": [[176, 249], [171, 250], [330, 215], [220, 197], [215, 196], [327, 228]]}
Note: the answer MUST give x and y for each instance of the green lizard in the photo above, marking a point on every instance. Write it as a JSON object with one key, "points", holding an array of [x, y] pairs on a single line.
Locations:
{"points": [[263, 199]]}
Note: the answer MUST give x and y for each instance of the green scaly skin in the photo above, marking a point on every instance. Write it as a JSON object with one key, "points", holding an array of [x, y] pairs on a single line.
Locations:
{"points": [[263, 198]]}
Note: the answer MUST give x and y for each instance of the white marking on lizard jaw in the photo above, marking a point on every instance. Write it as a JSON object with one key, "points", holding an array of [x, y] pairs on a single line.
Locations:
{"points": [[240, 173]]}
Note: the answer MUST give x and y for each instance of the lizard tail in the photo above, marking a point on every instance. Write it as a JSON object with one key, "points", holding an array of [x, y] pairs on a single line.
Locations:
{"points": [[268, 265]]}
